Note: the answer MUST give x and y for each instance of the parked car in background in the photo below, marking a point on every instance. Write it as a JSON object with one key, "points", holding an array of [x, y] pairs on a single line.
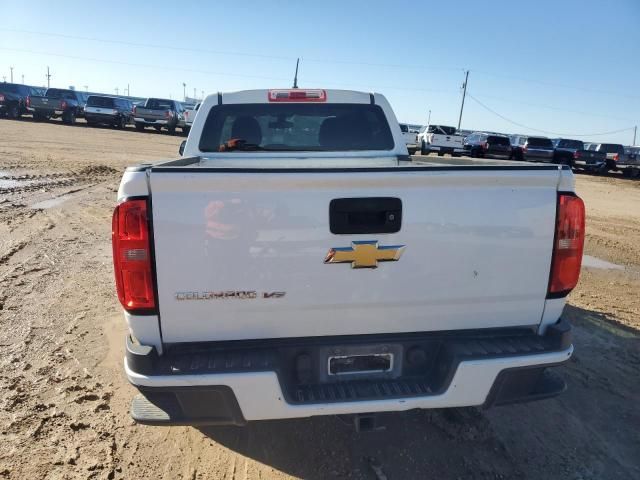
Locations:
{"points": [[160, 113], [106, 110], [487, 145], [189, 116], [441, 139], [409, 138], [531, 149], [614, 153], [575, 154], [58, 102], [13, 98], [629, 163]]}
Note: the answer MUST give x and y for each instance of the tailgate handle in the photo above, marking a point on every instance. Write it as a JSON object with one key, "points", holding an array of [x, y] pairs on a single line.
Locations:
{"points": [[365, 215]]}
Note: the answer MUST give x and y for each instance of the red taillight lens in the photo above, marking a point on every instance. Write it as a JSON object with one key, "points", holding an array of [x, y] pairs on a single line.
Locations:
{"points": [[297, 95], [484, 145], [616, 157], [577, 154], [2, 98], [28, 101], [134, 110], [63, 105], [132, 256], [568, 246]]}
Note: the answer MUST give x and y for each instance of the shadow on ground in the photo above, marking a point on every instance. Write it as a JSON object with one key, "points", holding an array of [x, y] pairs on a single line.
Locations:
{"points": [[590, 432]]}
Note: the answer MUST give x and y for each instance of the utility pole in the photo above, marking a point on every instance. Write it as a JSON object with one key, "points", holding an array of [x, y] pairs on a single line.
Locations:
{"points": [[202, 92], [184, 91], [11, 68], [194, 93], [429, 118], [295, 78], [23, 78], [635, 130], [48, 78], [117, 90], [86, 88], [464, 94], [128, 91]]}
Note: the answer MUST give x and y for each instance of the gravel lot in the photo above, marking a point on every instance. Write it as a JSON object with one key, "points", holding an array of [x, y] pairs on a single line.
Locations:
{"points": [[64, 400]]}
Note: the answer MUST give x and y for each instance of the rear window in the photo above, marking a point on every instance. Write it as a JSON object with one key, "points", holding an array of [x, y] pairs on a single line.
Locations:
{"points": [[159, 104], [298, 127], [577, 144], [498, 140], [539, 142], [57, 93], [9, 88], [106, 102], [611, 148], [442, 130]]}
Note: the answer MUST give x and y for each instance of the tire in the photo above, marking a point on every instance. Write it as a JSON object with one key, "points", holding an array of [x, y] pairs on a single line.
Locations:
{"points": [[412, 151], [627, 172], [139, 127], [171, 130], [440, 154], [121, 124], [13, 112], [186, 130], [69, 118], [158, 129]]}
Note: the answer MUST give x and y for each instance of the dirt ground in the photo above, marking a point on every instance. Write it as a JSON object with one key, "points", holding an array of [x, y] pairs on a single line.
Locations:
{"points": [[64, 399]]}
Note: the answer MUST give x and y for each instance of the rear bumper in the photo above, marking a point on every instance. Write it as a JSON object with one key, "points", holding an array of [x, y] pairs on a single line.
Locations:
{"points": [[435, 148], [101, 117], [150, 122], [233, 384]]}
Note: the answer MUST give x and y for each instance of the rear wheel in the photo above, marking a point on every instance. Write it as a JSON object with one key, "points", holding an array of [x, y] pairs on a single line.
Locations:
{"points": [[440, 154], [13, 112], [158, 129], [171, 130], [139, 127], [69, 118], [423, 149], [122, 123]]}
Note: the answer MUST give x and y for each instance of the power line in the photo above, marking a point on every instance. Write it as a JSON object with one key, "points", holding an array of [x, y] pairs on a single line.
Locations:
{"points": [[549, 107], [557, 85], [229, 53], [544, 131], [218, 73]]}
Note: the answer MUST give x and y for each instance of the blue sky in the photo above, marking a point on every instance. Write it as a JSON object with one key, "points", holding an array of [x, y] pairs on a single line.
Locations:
{"points": [[563, 66]]}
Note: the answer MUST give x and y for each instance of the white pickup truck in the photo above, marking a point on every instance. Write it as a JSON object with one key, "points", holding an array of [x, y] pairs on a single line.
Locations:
{"points": [[294, 262], [441, 139]]}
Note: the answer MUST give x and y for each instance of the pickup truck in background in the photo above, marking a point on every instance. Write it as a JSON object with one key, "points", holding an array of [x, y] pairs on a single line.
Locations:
{"points": [[107, 110], [159, 113], [409, 138], [189, 117], [57, 102], [630, 162], [442, 139], [13, 99], [531, 149], [576, 155], [294, 262], [614, 153]]}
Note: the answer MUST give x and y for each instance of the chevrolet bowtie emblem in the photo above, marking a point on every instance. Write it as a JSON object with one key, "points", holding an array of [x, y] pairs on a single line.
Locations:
{"points": [[365, 254]]}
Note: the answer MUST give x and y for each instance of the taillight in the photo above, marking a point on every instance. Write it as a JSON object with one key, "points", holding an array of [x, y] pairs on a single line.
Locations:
{"points": [[616, 157], [28, 101], [2, 98], [524, 149], [134, 110], [297, 95], [63, 105], [484, 145], [568, 245], [132, 257], [168, 114], [577, 154]]}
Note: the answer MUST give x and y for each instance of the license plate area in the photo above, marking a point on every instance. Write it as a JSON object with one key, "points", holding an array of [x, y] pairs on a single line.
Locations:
{"points": [[352, 362], [359, 364]]}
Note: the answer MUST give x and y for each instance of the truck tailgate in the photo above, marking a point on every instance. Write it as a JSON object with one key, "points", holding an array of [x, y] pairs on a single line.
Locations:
{"points": [[241, 254]]}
